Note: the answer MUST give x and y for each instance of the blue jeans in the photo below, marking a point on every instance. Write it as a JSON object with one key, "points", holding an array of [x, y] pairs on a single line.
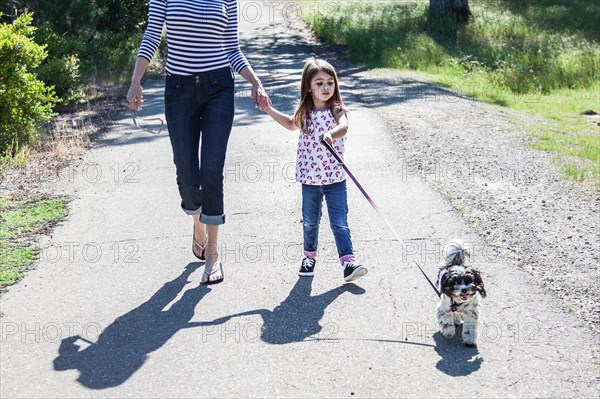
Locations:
{"points": [[199, 111], [337, 208]]}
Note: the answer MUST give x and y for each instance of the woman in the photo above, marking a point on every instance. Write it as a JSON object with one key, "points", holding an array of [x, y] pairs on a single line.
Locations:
{"points": [[203, 48]]}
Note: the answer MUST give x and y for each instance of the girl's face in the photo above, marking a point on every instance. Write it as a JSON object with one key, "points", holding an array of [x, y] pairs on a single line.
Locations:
{"points": [[322, 88]]}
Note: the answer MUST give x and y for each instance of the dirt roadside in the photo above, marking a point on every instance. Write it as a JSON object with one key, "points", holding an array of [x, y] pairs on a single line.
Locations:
{"points": [[68, 136]]}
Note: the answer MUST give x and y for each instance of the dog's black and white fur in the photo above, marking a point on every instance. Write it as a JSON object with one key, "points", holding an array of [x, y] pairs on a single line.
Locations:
{"points": [[461, 289]]}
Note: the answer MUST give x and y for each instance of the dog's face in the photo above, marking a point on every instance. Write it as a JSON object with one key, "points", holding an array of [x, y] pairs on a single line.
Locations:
{"points": [[461, 282]]}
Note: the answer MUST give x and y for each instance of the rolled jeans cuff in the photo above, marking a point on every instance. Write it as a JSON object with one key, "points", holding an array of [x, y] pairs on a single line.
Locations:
{"points": [[192, 211], [212, 219]]}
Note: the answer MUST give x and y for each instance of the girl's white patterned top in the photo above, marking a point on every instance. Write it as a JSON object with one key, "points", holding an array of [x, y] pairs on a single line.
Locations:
{"points": [[315, 165]]}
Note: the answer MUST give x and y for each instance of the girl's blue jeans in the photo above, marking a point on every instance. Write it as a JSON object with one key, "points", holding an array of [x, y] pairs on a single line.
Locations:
{"points": [[199, 111], [337, 208]]}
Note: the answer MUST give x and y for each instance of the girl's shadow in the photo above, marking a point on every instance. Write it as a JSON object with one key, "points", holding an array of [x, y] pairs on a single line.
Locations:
{"points": [[297, 317], [122, 348]]}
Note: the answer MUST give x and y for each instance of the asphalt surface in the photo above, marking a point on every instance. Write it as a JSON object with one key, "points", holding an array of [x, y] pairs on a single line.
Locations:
{"points": [[115, 308]]}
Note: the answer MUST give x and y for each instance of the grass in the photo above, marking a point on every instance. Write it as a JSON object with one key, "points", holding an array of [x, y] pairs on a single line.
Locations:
{"points": [[18, 160], [20, 220], [541, 57], [574, 138]]}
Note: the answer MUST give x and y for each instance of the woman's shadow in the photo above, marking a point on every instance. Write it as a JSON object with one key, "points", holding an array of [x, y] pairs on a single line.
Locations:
{"points": [[297, 317], [122, 348]]}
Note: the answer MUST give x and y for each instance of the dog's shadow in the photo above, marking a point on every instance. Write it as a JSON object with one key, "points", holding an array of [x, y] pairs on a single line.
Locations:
{"points": [[457, 359]]}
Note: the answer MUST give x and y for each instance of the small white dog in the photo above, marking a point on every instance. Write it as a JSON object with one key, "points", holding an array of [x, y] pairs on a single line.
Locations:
{"points": [[461, 289]]}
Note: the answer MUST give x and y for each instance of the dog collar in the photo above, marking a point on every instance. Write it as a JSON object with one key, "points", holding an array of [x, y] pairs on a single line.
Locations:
{"points": [[454, 307]]}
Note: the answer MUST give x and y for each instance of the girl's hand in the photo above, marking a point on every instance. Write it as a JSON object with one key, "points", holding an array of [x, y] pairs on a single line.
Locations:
{"points": [[327, 137], [265, 107], [135, 97], [260, 97]]}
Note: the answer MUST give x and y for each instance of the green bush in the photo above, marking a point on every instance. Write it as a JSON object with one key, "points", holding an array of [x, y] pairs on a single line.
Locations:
{"points": [[63, 74], [113, 55], [25, 101], [86, 40], [61, 68]]}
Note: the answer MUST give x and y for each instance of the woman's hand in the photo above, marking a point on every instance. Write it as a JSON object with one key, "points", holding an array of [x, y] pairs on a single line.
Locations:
{"points": [[135, 97], [260, 97]]}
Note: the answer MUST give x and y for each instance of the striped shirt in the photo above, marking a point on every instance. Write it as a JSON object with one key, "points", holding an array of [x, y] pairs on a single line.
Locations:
{"points": [[202, 35]]}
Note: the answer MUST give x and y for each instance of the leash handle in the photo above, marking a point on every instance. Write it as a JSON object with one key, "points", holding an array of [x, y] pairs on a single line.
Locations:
{"points": [[381, 215], [134, 118]]}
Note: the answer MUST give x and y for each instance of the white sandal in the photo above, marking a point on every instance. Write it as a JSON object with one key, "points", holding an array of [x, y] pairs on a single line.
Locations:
{"points": [[208, 281], [201, 248]]}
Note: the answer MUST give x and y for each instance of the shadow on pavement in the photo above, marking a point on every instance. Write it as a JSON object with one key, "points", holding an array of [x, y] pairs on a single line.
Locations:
{"points": [[278, 57], [297, 317], [124, 345], [457, 360], [122, 348]]}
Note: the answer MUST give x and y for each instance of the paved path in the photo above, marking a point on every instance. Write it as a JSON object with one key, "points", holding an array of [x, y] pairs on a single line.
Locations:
{"points": [[115, 309]]}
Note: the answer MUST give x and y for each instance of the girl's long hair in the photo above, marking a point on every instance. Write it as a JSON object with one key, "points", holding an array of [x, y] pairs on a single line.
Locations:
{"points": [[313, 66]]}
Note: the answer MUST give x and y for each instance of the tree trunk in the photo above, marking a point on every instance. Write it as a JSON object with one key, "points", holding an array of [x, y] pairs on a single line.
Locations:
{"points": [[12, 8], [457, 9], [34, 6]]}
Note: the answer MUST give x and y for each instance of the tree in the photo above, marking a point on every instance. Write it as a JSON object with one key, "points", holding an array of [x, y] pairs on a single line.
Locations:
{"points": [[457, 9]]}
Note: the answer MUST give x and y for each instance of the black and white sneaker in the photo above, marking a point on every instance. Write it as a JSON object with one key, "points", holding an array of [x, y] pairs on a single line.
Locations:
{"points": [[308, 267], [352, 271]]}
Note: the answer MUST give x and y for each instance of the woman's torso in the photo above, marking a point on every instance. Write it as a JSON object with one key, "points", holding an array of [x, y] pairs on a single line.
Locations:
{"points": [[201, 35]]}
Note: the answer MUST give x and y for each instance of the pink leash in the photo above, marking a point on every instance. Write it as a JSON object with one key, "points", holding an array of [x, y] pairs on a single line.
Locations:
{"points": [[381, 215]]}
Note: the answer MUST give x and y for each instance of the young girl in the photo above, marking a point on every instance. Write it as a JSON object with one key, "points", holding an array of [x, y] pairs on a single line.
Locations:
{"points": [[321, 114]]}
